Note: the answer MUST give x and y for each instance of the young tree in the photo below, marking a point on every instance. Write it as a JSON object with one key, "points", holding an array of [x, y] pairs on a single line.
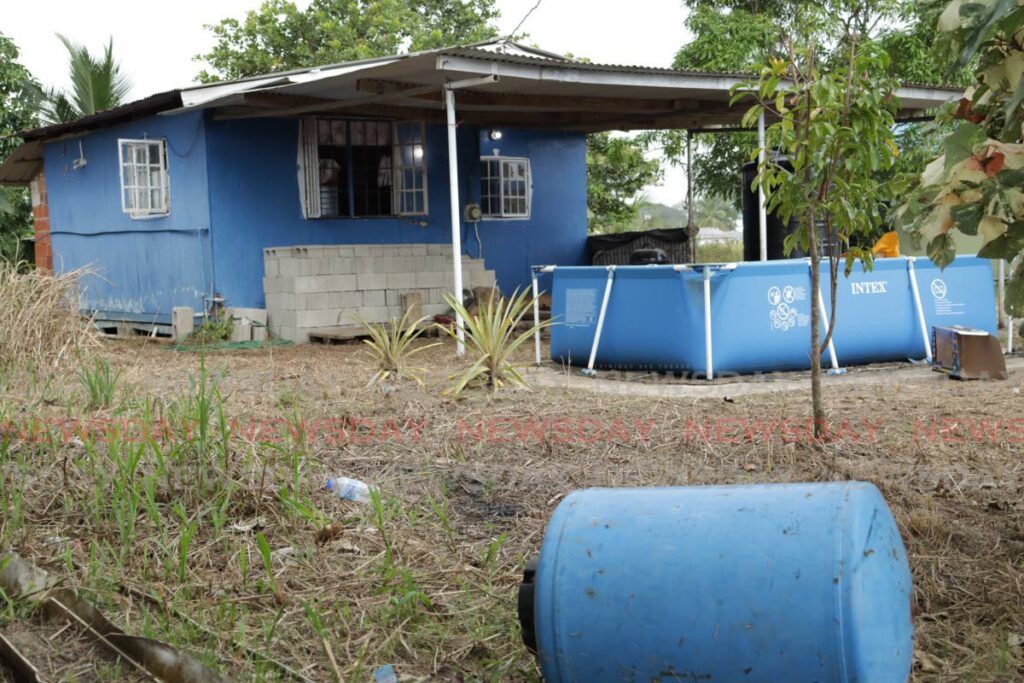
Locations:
{"points": [[617, 170], [833, 122], [279, 36], [976, 185], [19, 101], [97, 84], [740, 35]]}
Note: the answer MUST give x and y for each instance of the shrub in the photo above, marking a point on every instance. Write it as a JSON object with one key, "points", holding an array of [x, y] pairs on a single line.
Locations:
{"points": [[216, 328], [391, 346], [41, 328], [492, 336]]}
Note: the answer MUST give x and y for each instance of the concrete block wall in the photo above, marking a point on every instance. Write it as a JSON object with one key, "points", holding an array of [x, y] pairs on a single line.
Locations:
{"points": [[310, 288]]}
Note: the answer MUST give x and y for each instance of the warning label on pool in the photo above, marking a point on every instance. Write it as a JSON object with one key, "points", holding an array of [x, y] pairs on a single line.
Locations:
{"points": [[943, 304], [784, 314], [580, 306]]}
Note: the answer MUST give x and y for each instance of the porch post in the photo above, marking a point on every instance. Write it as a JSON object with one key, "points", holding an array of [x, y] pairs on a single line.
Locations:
{"points": [[762, 218], [689, 197], [453, 188]]}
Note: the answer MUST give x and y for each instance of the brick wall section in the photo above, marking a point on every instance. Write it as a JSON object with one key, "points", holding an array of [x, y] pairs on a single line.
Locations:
{"points": [[310, 288], [41, 220]]}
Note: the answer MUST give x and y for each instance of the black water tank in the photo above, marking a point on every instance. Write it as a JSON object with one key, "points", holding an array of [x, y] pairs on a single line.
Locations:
{"points": [[645, 257], [777, 231]]}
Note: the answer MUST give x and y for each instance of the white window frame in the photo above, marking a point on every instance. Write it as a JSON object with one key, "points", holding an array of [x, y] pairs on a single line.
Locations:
{"points": [[164, 183], [502, 215], [397, 169], [309, 164]]}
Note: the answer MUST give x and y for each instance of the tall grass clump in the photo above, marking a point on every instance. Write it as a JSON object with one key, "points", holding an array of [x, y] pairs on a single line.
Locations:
{"points": [[493, 335], [40, 326], [392, 345], [99, 383]]}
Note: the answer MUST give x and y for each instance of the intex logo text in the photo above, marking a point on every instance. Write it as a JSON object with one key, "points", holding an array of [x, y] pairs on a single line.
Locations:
{"points": [[877, 287]]}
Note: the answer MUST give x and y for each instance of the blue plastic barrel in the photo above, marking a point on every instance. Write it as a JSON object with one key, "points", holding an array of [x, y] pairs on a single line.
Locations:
{"points": [[760, 313], [802, 583]]}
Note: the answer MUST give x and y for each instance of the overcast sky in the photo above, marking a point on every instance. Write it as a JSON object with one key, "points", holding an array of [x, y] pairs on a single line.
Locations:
{"points": [[156, 41]]}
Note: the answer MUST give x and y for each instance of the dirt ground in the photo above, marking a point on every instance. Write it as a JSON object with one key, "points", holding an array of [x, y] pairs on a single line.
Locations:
{"points": [[425, 578]]}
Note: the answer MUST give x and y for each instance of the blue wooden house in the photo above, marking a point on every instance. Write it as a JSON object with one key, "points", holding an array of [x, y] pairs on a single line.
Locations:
{"points": [[360, 176]]}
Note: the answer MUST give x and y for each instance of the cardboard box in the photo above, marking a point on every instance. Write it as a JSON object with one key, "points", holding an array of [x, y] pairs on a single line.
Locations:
{"points": [[967, 353]]}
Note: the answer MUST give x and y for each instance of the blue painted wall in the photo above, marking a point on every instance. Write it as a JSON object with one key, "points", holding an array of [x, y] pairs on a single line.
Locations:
{"points": [[234, 191], [144, 266], [254, 203]]}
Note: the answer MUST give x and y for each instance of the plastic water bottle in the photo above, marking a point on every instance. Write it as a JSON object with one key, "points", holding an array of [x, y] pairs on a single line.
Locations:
{"points": [[349, 489]]}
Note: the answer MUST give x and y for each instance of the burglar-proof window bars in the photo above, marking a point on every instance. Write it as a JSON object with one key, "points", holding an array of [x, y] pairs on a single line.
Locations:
{"points": [[505, 187], [356, 168], [145, 188]]}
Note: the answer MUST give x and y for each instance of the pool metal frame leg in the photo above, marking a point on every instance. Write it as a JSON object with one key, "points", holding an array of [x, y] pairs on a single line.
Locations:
{"points": [[589, 370], [925, 336], [709, 365], [536, 318], [836, 370]]}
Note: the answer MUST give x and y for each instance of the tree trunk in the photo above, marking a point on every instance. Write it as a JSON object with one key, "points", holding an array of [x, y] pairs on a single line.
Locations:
{"points": [[817, 405]]}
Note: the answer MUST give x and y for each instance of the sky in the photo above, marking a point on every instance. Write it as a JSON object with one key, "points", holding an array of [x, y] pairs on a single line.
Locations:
{"points": [[156, 41]]}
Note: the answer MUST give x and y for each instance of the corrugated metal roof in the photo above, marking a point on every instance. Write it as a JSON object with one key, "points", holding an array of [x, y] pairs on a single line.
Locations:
{"points": [[22, 165], [144, 107]]}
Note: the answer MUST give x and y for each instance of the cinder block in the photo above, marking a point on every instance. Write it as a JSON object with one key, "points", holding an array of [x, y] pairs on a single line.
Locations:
{"points": [[182, 321], [342, 283], [259, 334], [363, 264], [418, 250], [429, 279], [361, 249], [289, 266], [374, 297], [258, 315], [374, 314], [346, 300], [372, 281], [401, 281], [346, 251], [340, 265], [270, 267], [393, 297], [413, 303], [319, 318], [286, 301], [282, 319]]}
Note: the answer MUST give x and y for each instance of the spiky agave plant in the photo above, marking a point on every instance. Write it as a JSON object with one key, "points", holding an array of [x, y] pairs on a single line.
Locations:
{"points": [[493, 335], [391, 346]]}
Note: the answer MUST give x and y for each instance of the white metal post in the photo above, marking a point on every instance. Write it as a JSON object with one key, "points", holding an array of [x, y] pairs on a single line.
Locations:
{"points": [[1000, 300], [453, 187], [1009, 335], [709, 366], [600, 321], [536, 318], [925, 336], [831, 341], [762, 213]]}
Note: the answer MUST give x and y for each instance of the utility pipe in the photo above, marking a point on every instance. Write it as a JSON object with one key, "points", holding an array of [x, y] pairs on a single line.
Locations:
{"points": [[453, 188], [925, 336], [589, 372]]}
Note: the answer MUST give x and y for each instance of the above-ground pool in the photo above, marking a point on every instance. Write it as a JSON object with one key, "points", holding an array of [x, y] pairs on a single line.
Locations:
{"points": [[656, 317]]}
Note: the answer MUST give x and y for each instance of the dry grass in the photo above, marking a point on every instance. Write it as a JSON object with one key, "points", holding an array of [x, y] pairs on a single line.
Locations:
{"points": [[425, 578], [40, 327]]}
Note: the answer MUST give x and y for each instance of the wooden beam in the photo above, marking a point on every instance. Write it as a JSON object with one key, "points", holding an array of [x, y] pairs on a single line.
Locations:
{"points": [[478, 100]]}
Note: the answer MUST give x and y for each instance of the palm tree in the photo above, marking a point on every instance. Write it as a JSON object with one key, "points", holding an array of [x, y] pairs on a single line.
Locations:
{"points": [[96, 84]]}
